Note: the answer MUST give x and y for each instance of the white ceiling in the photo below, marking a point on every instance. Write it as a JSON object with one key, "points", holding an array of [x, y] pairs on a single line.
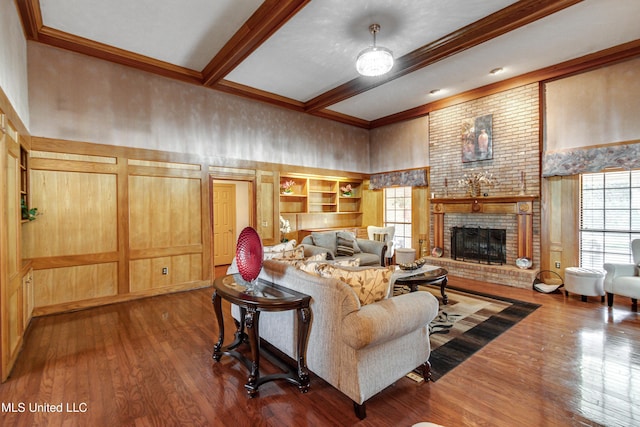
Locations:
{"points": [[294, 58]]}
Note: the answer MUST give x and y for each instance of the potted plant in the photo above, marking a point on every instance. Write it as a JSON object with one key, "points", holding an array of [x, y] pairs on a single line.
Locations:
{"points": [[287, 186]]}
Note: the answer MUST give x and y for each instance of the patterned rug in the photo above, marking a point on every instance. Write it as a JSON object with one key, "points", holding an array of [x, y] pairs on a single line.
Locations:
{"points": [[468, 323]]}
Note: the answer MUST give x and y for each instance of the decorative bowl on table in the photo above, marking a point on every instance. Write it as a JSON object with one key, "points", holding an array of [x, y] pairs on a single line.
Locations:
{"points": [[249, 256], [414, 265], [524, 263]]}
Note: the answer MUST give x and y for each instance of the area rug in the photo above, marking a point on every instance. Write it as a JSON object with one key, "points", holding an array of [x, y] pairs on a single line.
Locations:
{"points": [[467, 323]]}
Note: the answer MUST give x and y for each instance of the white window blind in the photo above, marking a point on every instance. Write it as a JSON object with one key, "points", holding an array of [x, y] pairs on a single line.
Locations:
{"points": [[609, 217], [397, 212]]}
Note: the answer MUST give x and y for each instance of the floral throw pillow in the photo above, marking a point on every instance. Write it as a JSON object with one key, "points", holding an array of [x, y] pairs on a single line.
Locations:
{"points": [[351, 262], [370, 284], [297, 253], [306, 264]]}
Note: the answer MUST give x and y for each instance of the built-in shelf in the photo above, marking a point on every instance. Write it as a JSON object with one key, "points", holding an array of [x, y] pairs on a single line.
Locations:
{"points": [[24, 184], [318, 202]]}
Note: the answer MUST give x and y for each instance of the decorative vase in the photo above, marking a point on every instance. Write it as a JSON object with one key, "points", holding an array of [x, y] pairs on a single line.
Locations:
{"points": [[475, 190]]}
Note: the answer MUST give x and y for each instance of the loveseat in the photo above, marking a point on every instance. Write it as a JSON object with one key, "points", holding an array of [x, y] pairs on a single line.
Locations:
{"points": [[343, 245], [358, 349]]}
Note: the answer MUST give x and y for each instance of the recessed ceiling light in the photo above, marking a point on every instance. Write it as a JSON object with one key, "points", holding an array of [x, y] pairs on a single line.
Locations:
{"points": [[496, 71]]}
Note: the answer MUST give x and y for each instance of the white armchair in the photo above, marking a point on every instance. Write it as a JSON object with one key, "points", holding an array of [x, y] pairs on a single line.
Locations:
{"points": [[383, 234], [623, 279]]}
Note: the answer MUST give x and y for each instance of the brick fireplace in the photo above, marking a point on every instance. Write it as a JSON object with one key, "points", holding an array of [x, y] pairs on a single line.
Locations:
{"points": [[516, 215], [507, 205]]}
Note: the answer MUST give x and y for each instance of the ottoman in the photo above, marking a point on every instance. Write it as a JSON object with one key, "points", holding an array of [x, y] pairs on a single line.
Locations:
{"points": [[584, 282]]}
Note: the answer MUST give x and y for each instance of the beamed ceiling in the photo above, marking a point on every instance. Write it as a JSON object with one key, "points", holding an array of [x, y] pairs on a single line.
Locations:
{"points": [[300, 54]]}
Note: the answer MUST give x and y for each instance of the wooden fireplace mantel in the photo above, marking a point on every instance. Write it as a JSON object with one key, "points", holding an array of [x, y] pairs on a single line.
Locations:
{"points": [[521, 206]]}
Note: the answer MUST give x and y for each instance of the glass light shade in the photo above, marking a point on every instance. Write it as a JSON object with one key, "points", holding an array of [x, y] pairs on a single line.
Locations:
{"points": [[374, 61]]}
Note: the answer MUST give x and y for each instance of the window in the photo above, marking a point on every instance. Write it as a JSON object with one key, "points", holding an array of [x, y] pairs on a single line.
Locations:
{"points": [[397, 212], [610, 217]]}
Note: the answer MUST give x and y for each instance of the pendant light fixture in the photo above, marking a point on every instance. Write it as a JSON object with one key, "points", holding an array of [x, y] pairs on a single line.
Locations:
{"points": [[374, 60]]}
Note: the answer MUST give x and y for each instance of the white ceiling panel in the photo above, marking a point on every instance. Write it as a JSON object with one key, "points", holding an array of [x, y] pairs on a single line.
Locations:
{"points": [[187, 33], [546, 42], [317, 49]]}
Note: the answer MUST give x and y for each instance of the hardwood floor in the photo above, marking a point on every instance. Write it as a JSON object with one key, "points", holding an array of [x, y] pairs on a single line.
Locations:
{"points": [[148, 362]]}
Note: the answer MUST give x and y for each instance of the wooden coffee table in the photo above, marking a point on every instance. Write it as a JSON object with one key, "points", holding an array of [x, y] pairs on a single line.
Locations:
{"points": [[266, 297], [431, 277]]}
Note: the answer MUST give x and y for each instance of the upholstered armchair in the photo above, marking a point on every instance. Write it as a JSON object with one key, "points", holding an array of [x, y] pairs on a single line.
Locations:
{"points": [[383, 234], [623, 279]]}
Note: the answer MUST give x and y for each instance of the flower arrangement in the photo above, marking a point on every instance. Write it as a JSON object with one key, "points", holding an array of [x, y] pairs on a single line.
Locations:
{"points": [[473, 182], [285, 227], [347, 190], [287, 186]]}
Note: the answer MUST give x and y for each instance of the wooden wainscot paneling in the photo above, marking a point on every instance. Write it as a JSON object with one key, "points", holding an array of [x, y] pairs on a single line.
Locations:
{"points": [[267, 197], [147, 274], [164, 212], [77, 214], [372, 205], [165, 229], [560, 218], [69, 288]]}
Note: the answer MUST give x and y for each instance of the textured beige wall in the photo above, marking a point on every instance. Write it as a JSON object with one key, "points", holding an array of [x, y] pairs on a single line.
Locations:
{"points": [[403, 145], [592, 108], [81, 98], [13, 60]]}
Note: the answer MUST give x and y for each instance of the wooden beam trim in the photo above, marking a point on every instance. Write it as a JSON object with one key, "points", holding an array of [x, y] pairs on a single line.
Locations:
{"points": [[508, 19], [342, 118], [135, 254], [258, 95], [71, 166], [31, 17], [573, 66], [104, 150], [265, 21], [44, 263], [163, 172], [103, 51]]}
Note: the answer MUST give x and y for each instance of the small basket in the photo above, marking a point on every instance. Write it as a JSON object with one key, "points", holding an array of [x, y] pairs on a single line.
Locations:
{"points": [[549, 285]]}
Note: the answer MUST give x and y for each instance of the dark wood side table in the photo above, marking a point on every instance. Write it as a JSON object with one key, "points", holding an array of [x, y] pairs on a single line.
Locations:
{"points": [[266, 297], [432, 277]]}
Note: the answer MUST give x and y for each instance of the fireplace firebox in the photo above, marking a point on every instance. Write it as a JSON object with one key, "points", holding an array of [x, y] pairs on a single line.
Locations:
{"points": [[482, 245]]}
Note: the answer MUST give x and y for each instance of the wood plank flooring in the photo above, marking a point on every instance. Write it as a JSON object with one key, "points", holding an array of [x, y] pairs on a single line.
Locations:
{"points": [[148, 363]]}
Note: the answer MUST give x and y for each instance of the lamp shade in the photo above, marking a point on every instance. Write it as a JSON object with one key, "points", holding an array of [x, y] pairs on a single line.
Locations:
{"points": [[374, 61]]}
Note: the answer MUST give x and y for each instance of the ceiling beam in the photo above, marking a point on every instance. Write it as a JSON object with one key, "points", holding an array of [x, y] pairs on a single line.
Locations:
{"points": [[564, 69], [35, 30], [501, 22], [258, 95], [265, 21], [31, 17], [74, 43]]}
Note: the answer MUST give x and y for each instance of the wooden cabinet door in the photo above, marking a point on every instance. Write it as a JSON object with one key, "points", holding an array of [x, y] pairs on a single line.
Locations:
{"points": [[10, 281], [267, 194]]}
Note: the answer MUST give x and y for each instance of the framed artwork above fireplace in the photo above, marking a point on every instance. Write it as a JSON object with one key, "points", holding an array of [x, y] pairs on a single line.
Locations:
{"points": [[477, 138]]}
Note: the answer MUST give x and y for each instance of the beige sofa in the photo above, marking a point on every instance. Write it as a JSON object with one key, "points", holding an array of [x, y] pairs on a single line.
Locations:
{"points": [[360, 350]]}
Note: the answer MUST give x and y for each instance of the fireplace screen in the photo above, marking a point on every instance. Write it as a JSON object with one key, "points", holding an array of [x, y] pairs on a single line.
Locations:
{"points": [[484, 245]]}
